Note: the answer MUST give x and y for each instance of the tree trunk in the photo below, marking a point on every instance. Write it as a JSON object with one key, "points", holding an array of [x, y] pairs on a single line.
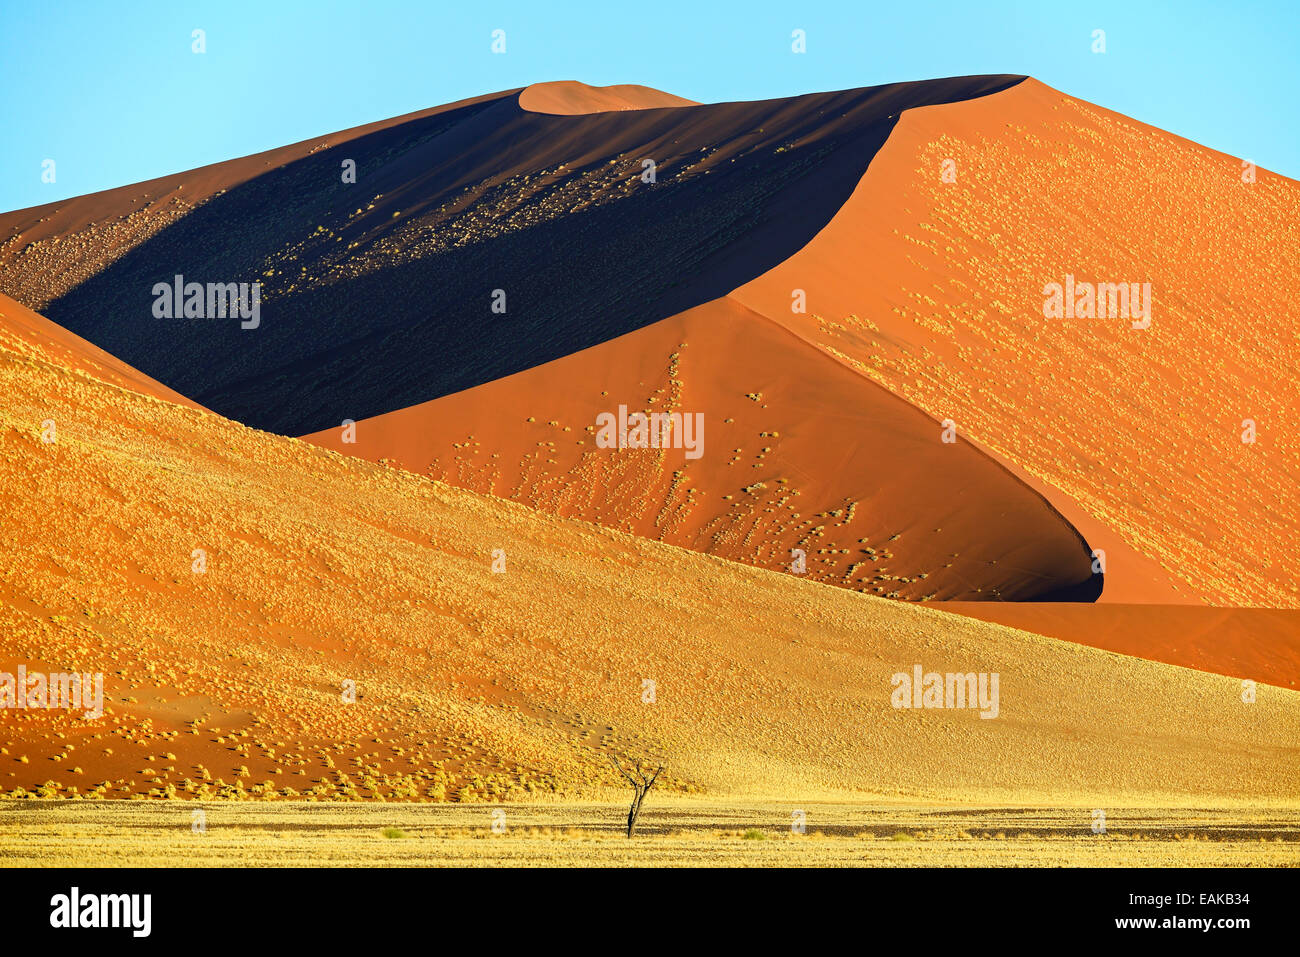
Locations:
{"points": [[635, 810], [641, 783]]}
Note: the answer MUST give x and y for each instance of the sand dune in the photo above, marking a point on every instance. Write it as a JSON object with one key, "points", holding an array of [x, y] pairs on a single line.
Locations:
{"points": [[930, 288], [890, 530], [26, 332], [231, 584], [798, 452], [935, 289], [429, 439], [569, 97], [1261, 644], [481, 686]]}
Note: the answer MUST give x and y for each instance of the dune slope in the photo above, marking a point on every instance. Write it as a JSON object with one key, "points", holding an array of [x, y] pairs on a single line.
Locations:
{"points": [[1260, 644], [470, 684], [935, 288], [796, 453], [28, 333]]}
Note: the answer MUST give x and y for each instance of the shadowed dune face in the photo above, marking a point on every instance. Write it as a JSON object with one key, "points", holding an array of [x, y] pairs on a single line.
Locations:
{"points": [[322, 569], [26, 333], [569, 97], [49, 250], [798, 453], [936, 290], [379, 294]]}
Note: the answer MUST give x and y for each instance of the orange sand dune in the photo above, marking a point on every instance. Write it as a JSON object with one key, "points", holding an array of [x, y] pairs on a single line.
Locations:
{"points": [[936, 290], [863, 256], [1262, 644], [568, 97], [1130, 576], [798, 453], [325, 573]]}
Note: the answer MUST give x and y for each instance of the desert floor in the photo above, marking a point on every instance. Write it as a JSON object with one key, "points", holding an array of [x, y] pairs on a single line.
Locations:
{"points": [[671, 833]]}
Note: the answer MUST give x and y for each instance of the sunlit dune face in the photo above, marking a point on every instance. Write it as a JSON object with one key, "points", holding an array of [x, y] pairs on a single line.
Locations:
{"points": [[934, 285], [571, 97]]}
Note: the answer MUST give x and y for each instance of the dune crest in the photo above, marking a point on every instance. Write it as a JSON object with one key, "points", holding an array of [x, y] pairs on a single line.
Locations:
{"points": [[571, 97], [454, 215], [27, 332], [931, 280]]}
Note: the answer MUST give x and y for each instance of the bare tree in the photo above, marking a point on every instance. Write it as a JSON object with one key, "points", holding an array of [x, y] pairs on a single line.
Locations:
{"points": [[638, 775]]}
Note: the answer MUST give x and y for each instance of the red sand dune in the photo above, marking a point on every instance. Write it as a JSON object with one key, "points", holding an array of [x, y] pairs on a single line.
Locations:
{"points": [[832, 264], [927, 319], [1262, 644], [799, 452], [929, 289], [569, 97], [935, 289], [822, 429]]}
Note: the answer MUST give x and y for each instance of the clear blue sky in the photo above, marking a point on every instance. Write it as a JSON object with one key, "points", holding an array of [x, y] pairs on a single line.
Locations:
{"points": [[112, 92]]}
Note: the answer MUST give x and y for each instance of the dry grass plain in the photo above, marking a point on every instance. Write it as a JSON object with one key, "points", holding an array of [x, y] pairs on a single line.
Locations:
{"points": [[675, 833]]}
